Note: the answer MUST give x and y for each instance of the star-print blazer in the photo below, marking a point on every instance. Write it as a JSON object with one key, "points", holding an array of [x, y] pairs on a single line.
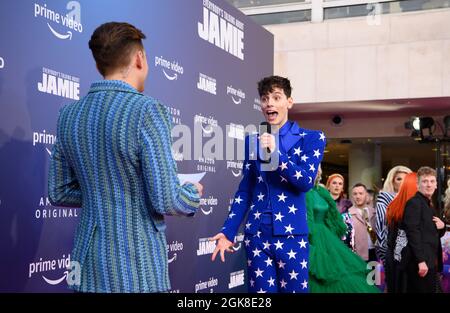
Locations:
{"points": [[282, 189]]}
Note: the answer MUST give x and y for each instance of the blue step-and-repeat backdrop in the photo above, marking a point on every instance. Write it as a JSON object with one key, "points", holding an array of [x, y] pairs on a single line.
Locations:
{"points": [[205, 58]]}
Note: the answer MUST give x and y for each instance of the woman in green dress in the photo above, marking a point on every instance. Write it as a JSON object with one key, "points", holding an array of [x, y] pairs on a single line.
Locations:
{"points": [[333, 267]]}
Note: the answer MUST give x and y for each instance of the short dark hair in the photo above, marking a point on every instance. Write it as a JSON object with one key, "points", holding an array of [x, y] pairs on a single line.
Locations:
{"points": [[112, 44], [425, 171], [359, 185], [266, 85]]}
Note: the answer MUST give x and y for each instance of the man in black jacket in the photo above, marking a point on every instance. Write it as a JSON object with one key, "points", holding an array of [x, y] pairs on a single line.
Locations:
{"points": [[423, 230]]}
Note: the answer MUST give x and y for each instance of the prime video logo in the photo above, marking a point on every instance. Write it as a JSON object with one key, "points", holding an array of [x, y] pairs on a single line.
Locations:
{"points": [[237, 95], [171, 70], [71, 19], [44, 138], [71, 273]]}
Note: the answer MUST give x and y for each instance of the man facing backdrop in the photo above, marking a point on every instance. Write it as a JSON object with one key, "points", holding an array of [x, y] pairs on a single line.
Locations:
{"points": [[113, 158]]}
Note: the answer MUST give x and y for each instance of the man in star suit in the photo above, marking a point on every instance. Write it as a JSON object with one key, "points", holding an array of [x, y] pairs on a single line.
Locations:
{"points": [[273, 195]]}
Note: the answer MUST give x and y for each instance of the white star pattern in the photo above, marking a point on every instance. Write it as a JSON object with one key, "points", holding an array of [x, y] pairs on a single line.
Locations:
{"points": [[266, 245], [261, 290], [260, 196], [322, 136], [283, 166], [302, 243], [252, 206], [271, 281], [281, 197], [258, 273], [311, 167], [281, 264], [289, 229], [258, 234], [283, 179], [249, 262], [247, 166], [279, 245], [283, 283], [279, 217], [268, 262], [303, 263], [304, 158], [310, 180], [297, 151], [303, 134], [247, 242], [256, 252], [257, 214], [291, 254], [247, 226], [238, 200], [317, 153], [304, 284], [260, 179], [231, 215], [252, 283], [293, 275], [292, 209], [298, 174]]}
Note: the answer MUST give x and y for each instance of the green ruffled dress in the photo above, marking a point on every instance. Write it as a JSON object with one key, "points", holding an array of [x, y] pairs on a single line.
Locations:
{"points": [[333, 267]]}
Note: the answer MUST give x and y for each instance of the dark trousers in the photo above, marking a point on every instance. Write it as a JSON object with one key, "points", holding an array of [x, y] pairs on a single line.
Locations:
{"points": [[417, 284]]}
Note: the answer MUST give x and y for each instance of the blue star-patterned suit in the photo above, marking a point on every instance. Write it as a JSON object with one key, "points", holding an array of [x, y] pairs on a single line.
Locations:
{"points": [[276, 230]]}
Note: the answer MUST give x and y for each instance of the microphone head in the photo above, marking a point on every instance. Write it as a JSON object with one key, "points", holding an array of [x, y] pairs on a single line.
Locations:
{"points": [[265, 127]]}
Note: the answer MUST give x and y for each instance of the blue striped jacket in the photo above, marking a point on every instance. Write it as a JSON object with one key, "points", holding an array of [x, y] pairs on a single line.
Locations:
{"points": [[113, 158]]}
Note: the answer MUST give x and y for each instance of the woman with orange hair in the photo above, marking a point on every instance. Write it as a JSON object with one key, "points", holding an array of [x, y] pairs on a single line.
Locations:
{"points": [[396, 256], [335, 185]]}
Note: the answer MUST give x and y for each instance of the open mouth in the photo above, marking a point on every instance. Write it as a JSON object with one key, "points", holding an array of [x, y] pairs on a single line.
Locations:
{"points": [[271, 115]]}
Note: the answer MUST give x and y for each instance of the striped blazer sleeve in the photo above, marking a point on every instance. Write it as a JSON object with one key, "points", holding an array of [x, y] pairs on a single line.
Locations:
{"points": [[63, 186], [159, 168], [383, 200]]}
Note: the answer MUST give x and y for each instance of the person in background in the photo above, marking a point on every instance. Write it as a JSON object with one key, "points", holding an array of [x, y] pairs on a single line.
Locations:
{"points": [[423, 230], [335, 185], [333, 267], [395, 261], [447, 203], [363, 221], [391, 186]]}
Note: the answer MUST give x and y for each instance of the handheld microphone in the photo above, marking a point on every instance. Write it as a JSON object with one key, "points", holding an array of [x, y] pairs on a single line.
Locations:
{"points": [[265, 127]]}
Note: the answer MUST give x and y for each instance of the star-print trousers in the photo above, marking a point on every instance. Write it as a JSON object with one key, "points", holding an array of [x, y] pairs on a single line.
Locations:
{"points": [[276, 263]]}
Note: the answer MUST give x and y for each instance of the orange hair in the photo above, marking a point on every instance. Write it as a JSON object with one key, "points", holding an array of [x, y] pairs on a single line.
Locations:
{"points": [[395, 210], [333, 176]]}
